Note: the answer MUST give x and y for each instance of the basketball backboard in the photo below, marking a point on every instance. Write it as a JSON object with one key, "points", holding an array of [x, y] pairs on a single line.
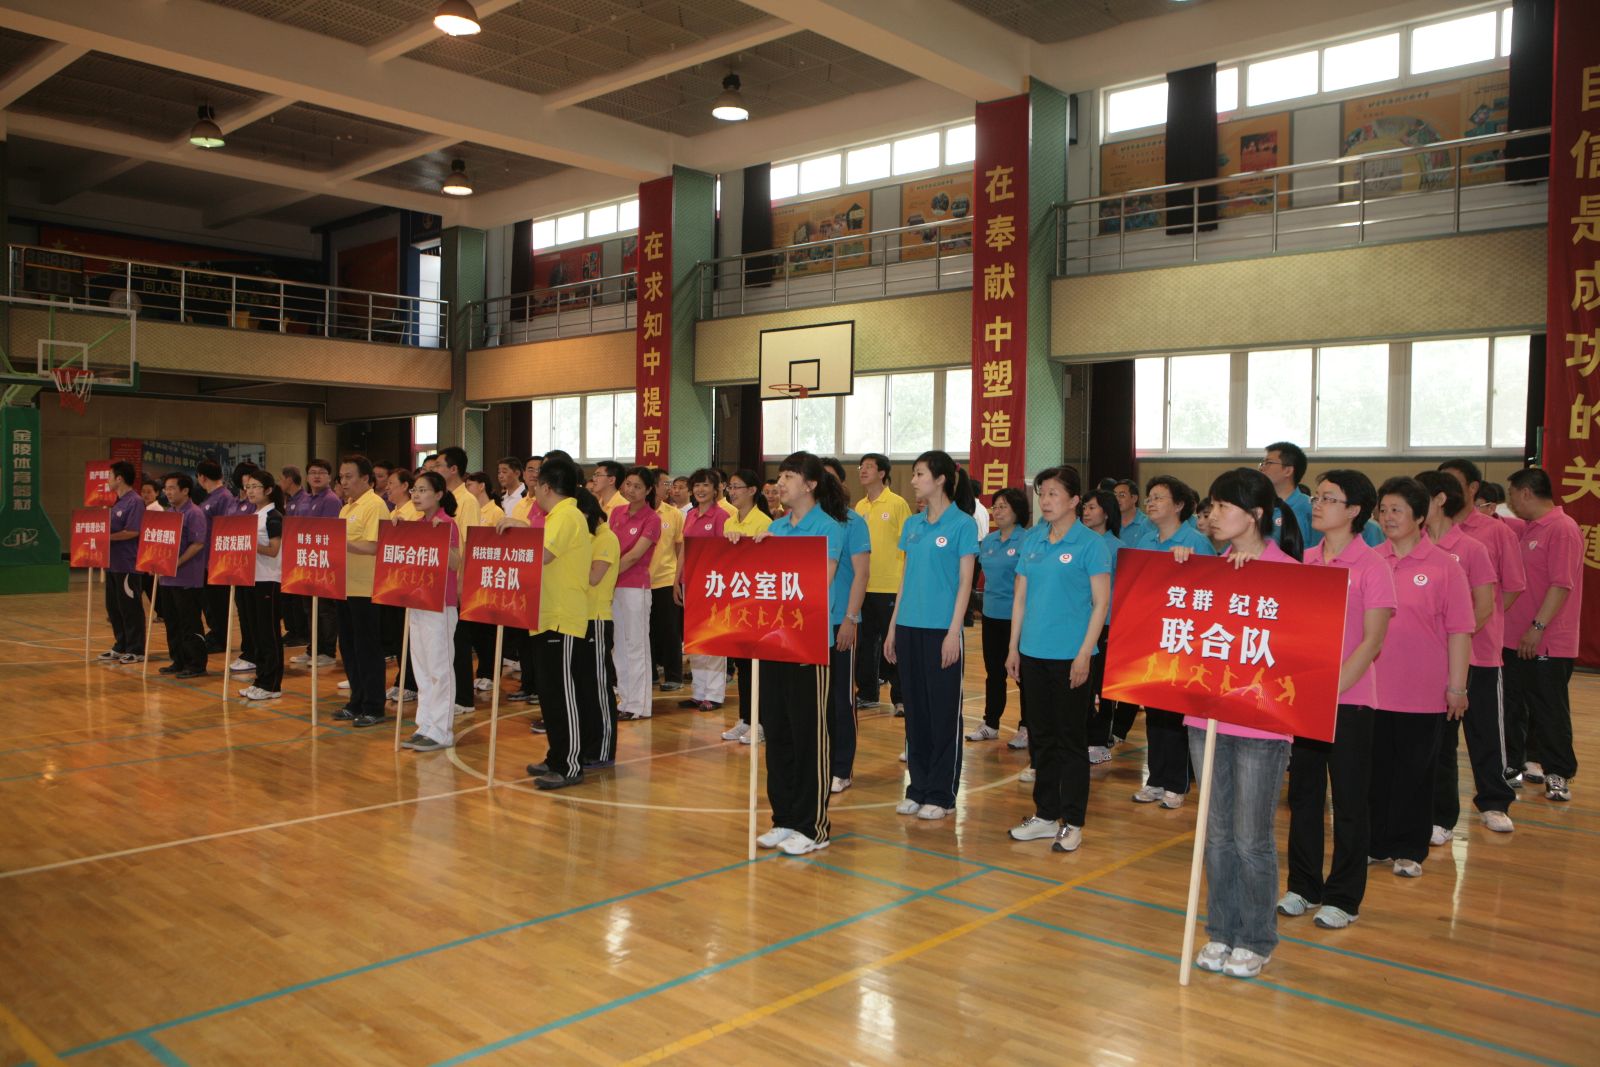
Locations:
{"points": [[41, 337], [820, 359]]}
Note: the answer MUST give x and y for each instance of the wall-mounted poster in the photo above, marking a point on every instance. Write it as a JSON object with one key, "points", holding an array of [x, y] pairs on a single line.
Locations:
{"points": [[160, 458], [1485, 109], [1420, 116], [820, 220], [1258, 143], [562, 268], [935, 200], [1128, 165]]}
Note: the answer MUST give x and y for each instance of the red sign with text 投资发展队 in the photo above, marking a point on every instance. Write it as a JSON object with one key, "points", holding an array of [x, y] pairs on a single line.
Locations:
{"points": [[97, 491], [91, 538], [500, 577], [653, 334], [313, 554], [413, 565], [159, 538], [1257, 646], [763, 599], [232, 559]]}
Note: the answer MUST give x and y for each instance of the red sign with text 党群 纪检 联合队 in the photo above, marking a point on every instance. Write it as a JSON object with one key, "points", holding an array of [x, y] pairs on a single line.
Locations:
{"points": [[763, 599]]}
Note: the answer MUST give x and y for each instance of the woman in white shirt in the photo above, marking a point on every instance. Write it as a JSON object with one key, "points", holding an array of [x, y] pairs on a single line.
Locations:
{"points": [[261, 600]]}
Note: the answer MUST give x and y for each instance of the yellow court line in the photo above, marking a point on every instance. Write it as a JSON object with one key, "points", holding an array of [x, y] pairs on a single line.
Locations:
{"points": [[30, 1042], [845, 978]]}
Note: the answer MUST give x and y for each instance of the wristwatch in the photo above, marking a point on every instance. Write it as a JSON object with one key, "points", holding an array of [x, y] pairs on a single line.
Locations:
{"points": [[856, 618], [1537, 625]]}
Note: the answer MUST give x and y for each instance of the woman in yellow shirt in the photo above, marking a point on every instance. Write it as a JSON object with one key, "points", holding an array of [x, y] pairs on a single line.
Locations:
{"points": [[666, 614], [594, 675], [750, 517]]}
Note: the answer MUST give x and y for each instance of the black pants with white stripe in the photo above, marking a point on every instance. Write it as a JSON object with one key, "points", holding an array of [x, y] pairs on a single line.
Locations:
{"points": [[125, 609], [556, 654], [933, 715], [841, 712], [794, 714], [1484, 725], [595, 680]]}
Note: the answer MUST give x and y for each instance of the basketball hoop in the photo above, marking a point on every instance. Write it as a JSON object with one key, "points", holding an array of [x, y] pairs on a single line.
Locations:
{"points": [[74, 384], [793, 390]]}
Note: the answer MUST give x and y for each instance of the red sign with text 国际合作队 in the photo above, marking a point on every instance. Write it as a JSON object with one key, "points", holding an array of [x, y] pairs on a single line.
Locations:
{"points": [[763, 599], [159, 538], [91, 538], [313, 555], [413, 565], [1257, 646], [232, 559], [500, 576]]}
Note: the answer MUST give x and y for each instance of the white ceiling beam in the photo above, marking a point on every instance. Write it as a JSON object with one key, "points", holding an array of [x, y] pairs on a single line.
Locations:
{"points": [[214, 42], [398, 44], [87, 178], [44, 64], [239, 118], [707, 51], [939, 40]]}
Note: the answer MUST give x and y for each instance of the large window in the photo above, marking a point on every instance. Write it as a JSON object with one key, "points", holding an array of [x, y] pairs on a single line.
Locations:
{"points": [[1455, 42], [424, 437], [605, 220], [590, 428], [863, 164], [900, 415]]}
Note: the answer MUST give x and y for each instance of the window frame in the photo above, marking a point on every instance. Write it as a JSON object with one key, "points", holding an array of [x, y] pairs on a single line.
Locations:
{"points": [[583, 423], [940, 386]]}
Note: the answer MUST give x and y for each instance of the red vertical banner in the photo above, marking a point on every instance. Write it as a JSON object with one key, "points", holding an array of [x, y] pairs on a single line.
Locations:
{"points": [[653, 334], [159, 538], [313, 554], [91, 538], [97, 492], [1572, 368], [232, 560], [1000, 293], [500, 580], [413, 565]]}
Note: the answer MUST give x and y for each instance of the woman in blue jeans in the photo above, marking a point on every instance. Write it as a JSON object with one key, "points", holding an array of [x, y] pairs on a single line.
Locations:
{"points": [[1248, 766]]}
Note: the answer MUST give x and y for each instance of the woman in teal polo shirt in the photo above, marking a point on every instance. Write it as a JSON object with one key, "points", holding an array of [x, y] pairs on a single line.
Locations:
{"points": [[1062, 595], [940, 543], [998, 554]]}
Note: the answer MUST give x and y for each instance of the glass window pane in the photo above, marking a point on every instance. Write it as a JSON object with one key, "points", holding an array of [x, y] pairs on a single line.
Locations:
{"points": [[960, 144], [1149, 404], [1510, 407], [628, 216], [864, 416], [821, 173], [1376, 59], [1282, 79], [912, 154], [910, 413], [1449, 392], [1278, 407], [425, 429], [569, 228], [1505, 31], [1198, 412], [867, 164], [777, 427], [1353, 397], [624, 411], [958, 411], [539, 418], [814, 420], [784, 181], [1227, 90], [1131, 109], [1450, 44], [597, 427], [544, 233], [564, 415], [603, 220]]}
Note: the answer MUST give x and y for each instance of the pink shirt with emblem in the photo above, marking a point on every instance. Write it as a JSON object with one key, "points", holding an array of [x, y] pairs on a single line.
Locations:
{"points": [[708, 523], [630, 526], [1500, 541], [1474, 560], [1552, 555], [1434, 602], [1371, 588], [1270, 554]]}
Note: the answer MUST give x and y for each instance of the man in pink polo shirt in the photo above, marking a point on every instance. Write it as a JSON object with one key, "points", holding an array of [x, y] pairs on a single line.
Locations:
{"points": [[1542, 636]]}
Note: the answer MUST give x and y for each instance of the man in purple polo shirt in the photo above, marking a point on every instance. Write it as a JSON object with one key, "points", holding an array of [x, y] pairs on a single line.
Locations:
{"points": [[296, 610], [186, 641], [216, 500], [321, 503], [123, 585]]}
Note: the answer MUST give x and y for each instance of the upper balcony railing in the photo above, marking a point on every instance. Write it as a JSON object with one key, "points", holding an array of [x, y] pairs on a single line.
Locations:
{"points": [[574, 309], [164, 292], [1399, 194]]}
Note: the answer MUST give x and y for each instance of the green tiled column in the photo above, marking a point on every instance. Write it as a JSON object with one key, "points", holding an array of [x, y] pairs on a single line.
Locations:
{"points": [[693, 232], [461, 281], [1047, 186]]}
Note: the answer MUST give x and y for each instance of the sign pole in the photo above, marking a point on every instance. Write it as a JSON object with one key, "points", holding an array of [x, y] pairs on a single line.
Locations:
{"points": [[149, 625], [755, 733], [405, 670], [312, 659], [88, 613], [494, 697], [227, 643], [1197, 863]]}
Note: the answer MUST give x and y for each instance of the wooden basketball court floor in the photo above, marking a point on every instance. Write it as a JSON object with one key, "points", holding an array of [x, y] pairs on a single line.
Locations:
{"points": [[187, 880]]}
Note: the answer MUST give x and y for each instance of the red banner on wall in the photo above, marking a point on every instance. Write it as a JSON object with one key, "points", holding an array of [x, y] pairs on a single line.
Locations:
{"points": [[653, 335], [313, 555], [91, 538], [1572, 367], [501, 575], [1259, 646], [159, 539], [232, 560], [1000, 294], [412, 566], [97, 492], [757, 599]]}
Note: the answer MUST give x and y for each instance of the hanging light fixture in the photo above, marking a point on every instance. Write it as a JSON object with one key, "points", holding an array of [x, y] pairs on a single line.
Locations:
{"points": [[729, 105], [458, 18], [458, 184], [206, 132]]}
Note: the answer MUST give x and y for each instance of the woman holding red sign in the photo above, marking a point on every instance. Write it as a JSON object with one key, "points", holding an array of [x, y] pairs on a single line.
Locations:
{"points": [[637, 525], [748, 519], [260, 601], [433, 632], [705, 519]]}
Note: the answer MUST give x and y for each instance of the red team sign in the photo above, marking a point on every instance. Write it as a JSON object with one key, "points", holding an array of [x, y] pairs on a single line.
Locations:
{"points": [[757, 599], [500, 580], [97, 492], [91, 538], [413, 564], [1259, 646], [232, 560], [159, 539], [313, 557]]}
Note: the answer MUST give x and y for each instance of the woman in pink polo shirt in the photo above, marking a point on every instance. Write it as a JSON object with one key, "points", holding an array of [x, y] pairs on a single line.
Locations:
{"points": [[705, 519], [1422, 676], [638, 529]]}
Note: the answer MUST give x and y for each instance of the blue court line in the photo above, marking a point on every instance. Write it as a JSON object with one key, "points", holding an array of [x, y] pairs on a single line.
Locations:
{"points": [[959, 859], [1364, 957], [696, 975], [164, 1055], [149, 759], [1556, 826]]}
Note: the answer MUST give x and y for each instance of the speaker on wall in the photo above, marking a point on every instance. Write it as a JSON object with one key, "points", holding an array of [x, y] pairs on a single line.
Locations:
{"points": [[1072, 119]]}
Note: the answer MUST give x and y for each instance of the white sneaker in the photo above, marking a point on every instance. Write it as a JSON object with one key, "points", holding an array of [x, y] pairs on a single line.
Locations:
{"points": [[109, 656], [840, 785], [324, 661], [907, 807], [1440, 836], [1099, 754], [1407, 869], [737, 732], [760, 736], [483, 685], [300, 660], [1292, 904], [241, 666], [1242, 963], [1068, 839], [982, 732], [932, 811], [255, 692], [1331, 918], [344, 686], [463, 710], [1171, 801], [1019, 739], [773, 837], [1149, 794], [904, 751], [1498, 821], [800, 844], [1028, 775], [1034, 828], [1212, 955]]}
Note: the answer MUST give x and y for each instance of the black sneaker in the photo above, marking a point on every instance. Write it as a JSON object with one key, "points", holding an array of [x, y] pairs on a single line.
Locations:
{"points": [[361, 722], [171, 668], [597, 764], [536, 769], [192, 672], [691, 704], [536, 726], [345, 714], [556, 781], [518, 697]]}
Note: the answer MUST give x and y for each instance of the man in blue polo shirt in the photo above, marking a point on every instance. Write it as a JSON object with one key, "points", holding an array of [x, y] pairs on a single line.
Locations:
{"points": [[186, 642], [1285, 467], [123, 585]]}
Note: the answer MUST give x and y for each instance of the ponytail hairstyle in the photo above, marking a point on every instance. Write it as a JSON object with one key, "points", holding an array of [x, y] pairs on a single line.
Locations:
{"points": [[435, 480], [1437, 482], [1108, 504], [828, 494], [753, 480], [645, 475], [268, 485], [561, 476], [589, 506], [957, 486], [1248, 489]]}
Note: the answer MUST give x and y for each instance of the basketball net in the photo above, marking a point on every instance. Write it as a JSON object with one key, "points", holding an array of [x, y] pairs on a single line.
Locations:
{"points": [[73, 384]]}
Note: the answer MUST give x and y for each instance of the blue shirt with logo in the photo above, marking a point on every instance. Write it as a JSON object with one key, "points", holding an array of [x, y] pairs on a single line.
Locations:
{"points": [[1185, 535], [857, 539], [999, 557], [1300, 505], [816, 523], [1055, 616], [932, 575]]}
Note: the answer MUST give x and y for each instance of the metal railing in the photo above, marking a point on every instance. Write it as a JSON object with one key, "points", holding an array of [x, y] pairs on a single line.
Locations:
{"points": [[1393, 195], [926, 257], [166, 292], [575, 309]]}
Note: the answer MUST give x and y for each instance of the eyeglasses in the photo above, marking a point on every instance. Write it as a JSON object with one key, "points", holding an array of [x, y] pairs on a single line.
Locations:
{"points": [[1324, 498], [736, 488], [1264, 464]]}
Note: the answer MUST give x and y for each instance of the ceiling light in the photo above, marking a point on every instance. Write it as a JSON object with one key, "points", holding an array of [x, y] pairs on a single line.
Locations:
{"points": [[458, 184], [206, 132], [729, 105], [457, 18]]}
